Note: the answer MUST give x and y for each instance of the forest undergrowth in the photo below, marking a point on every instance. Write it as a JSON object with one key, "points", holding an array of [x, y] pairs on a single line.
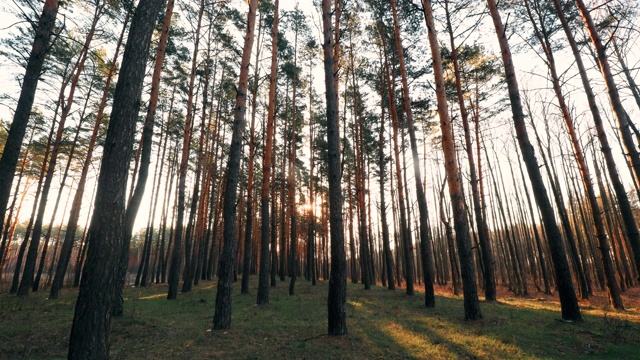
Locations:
{"points": [[382, 324]]}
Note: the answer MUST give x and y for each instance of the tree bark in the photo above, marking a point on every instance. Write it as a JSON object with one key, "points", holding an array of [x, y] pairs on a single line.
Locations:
{"points": [[463, 239], [568, 299], [614, 290], [337, 314], [265, 265], [388, 256], [18, 128], [177, 255], [222, 316], [30, 263], [252, 144], [631, 150], [623, 200], [483, 231], [74, 213], [89, 337]]}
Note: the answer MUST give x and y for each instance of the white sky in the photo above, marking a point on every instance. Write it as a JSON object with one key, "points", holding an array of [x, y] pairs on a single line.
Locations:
{"points": [[528, 66]]}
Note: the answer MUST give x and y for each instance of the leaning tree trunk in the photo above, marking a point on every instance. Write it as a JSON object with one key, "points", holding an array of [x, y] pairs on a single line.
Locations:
{"points": [[614, 290], [623, 199], [463, 239], [568, 298], [145, 160], [30, 263], [90, 331], [76, 204], [337, 314], [631, 151], [483, 231], [22, 114]]}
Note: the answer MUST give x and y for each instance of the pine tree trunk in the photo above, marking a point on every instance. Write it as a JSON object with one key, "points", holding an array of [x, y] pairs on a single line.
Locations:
{"points": [[631, 150], [18, 128], [145, 158], [74, 213], [388, 256], [337, 314], [89, 337], [222, 316], [483, 232], [425, 241], [30, 263], [568, 299], [10, 222], [178, 254], [623, 200], [614, 290], [252, 144], [265, 264], [471, 305]]}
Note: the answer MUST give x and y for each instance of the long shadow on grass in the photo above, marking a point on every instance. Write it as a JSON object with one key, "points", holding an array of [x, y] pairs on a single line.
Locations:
{"points": [[507, 331]]}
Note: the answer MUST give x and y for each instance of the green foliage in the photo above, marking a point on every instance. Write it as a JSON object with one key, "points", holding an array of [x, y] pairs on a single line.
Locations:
{"points": [[382, 324]]}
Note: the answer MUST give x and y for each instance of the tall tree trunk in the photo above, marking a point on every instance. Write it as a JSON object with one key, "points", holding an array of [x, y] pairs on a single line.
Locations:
{"points": [[190, 243], [365, 252], [337, 314], [633, 86], [177, 255], [18, 128], [30, 263], [623, 200], [252, 144], [291, 178], [614, 290], [311, 233], [541, 255], [564, 218], [568, 299], [631, 150], [404, 231], [483, 231], [467, 270], [222, 316], [36, 281], [145, 159], [425, 241], [10, 222], [265, 265], [23, 246], [74, 213], [160, 162], [90, 331], [388, 256]]}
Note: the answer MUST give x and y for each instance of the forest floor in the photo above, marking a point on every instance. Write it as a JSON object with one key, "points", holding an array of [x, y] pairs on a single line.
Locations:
{"points": [[382, 324]]}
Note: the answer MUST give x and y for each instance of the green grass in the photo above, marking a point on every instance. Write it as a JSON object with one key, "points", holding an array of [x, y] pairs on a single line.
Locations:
{"points": [[382, 325]]}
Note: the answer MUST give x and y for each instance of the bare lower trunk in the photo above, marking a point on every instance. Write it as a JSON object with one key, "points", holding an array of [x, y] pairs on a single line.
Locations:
{"points": [[18, 128], [467, 271], [90, 331], [222, 316], [337, 315], [568, 299]]}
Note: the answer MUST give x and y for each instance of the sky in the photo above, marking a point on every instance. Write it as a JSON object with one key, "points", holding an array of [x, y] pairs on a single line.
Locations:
{"points": [[530, 71], [10, 90]]}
